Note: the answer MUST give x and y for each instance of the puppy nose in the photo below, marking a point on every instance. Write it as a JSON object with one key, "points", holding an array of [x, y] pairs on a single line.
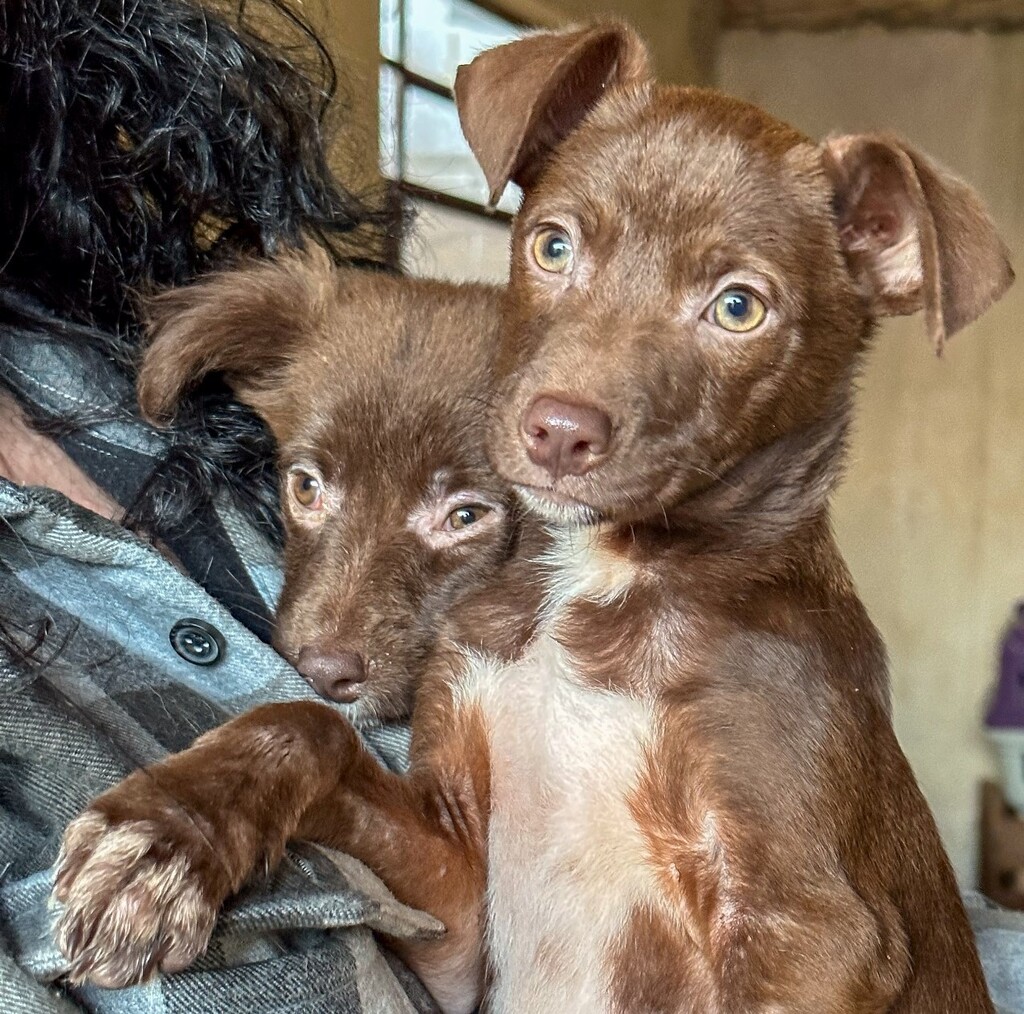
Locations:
{"points": [[565, 439], [335, 675]]}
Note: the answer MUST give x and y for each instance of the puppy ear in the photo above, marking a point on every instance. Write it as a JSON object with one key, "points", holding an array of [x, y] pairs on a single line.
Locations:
{"points": [[915, 236], [519, 101], [243, 322]]}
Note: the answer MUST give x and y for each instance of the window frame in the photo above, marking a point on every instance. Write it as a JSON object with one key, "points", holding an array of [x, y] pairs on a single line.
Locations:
{"points": [[527, 14]]}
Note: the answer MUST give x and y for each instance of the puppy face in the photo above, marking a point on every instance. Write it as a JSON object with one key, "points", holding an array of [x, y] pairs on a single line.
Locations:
{"points": [[692, 280], [373, 388], [392, 515], [691, 289]]}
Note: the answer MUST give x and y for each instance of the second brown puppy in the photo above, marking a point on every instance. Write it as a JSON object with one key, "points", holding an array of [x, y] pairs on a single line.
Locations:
{"points": [[373, 387]]}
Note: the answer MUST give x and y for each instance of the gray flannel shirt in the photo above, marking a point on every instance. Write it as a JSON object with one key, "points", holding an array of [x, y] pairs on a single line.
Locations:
{"points": [[118, 695]]}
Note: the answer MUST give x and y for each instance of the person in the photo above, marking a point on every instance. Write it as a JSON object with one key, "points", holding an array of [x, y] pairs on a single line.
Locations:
{"points": [[144, 144]]}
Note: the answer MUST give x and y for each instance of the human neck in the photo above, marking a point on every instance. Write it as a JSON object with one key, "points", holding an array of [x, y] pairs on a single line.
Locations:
{"points": [[29, 458]]}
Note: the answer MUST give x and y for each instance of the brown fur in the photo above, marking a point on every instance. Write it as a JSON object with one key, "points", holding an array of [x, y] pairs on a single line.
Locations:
{"points": [[783, 856], [378, 383]]}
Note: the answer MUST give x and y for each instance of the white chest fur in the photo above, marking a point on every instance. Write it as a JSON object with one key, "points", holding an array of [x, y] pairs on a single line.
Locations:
{"points": [[567, 861]]}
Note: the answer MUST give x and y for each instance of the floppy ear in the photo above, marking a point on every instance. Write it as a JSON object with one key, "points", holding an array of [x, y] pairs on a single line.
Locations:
{"points": [[244, 322], [519, 101], [915, 236]]}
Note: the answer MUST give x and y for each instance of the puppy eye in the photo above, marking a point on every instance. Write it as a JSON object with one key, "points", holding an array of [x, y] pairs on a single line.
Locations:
{"points": [[306, 489], [738, 310], [463, 517], [552, 250]]}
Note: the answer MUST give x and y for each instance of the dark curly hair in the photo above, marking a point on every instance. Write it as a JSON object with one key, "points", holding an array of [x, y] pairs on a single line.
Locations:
{"points": [[143, 142]]}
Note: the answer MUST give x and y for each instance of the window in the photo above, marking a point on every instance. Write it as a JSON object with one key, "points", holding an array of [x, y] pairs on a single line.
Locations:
{"points": [[422, 43]]}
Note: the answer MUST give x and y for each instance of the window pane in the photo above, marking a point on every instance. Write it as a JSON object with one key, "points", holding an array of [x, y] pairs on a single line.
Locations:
{"points": [[445, 243], [511, 199], [435, 153], [390, 29], [441, 34], [390, 151]]}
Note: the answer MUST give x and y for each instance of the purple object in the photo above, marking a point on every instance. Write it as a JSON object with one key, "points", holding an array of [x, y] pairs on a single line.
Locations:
{"points": [[1007, 708]]}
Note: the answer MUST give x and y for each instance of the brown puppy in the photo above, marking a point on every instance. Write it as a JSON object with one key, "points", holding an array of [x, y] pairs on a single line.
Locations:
{"points": [[693, 286], [372, 387], [684, 793]]}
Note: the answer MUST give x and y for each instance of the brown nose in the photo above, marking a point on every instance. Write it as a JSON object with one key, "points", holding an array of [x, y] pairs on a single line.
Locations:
{"points": [[565, 439], [335, 675]]}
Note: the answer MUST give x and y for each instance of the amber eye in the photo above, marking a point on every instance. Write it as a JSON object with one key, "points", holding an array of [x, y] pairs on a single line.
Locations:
{"points": [[552, 250], [463, 517], [306, 489], [739, 310]]}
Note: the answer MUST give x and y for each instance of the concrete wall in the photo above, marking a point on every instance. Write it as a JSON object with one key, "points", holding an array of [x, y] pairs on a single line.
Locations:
{"points": [[682, 34], [931, 516], [350, 32]]}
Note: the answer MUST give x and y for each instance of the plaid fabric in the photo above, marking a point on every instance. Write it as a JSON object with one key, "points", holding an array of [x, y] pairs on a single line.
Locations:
{"points": [[1000, 936], [117, 695], [62, 380]]}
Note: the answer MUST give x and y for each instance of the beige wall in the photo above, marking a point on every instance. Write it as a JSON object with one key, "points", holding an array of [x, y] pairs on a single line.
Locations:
{"points": [[930, 516], [349, 29], [682, 34]]}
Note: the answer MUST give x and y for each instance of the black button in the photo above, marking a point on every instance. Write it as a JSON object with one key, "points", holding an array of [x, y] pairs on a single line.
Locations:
{"points": [[197, 642]]}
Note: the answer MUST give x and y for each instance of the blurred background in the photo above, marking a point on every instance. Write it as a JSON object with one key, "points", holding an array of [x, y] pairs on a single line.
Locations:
{"points": [[930, 516]]}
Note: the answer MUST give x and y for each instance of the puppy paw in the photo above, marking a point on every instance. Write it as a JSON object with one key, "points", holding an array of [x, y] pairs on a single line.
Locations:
{"points": [[139, 896]]}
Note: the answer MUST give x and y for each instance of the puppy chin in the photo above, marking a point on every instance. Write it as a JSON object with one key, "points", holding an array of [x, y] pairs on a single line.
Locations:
{"points": [[552, 507], [370, 710]]}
